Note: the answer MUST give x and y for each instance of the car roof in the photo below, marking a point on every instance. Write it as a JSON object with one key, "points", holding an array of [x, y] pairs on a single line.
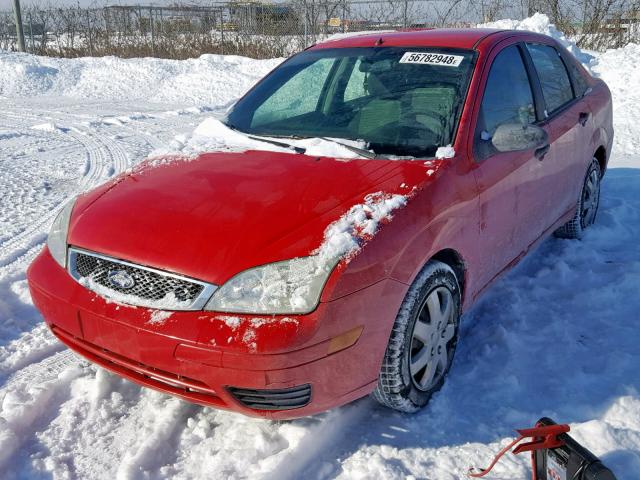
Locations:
{"points": [[466, 38]]}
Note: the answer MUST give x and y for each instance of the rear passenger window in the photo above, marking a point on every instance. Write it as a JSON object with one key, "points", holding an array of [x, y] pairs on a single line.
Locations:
{"points": [[580, 84], [507, 99], [554, 79]]}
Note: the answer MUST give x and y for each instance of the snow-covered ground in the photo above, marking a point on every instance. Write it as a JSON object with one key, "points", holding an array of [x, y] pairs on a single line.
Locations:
{"points": [[558, 336]]}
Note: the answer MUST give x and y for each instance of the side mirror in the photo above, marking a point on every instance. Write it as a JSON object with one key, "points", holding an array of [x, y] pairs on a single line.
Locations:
{"points": [[513, 137]]}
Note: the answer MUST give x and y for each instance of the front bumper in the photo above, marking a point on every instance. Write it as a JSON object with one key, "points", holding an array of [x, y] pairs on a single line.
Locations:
{"points": [[218, 359]]}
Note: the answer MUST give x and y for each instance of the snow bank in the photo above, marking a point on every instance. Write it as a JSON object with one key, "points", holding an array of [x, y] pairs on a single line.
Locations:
{"points": [[540, 23], [208, 79], [620, 68]]}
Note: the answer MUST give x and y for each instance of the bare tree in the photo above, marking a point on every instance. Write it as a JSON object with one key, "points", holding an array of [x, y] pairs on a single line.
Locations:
{"points": [[186, 29]]}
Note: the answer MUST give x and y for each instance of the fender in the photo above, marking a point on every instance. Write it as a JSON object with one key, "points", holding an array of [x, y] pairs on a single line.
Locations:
{"points": [[600, 138], [453, 226]]}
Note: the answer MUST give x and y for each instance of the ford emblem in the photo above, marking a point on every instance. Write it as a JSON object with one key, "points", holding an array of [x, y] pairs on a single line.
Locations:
{"points": [[121, 279]]}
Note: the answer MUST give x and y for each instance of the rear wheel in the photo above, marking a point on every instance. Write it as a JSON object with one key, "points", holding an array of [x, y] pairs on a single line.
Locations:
{"points": [[422, 342], [587, 205]]}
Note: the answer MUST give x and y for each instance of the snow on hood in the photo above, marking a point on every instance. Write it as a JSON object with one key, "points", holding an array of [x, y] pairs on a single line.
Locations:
{"points": [[214, 136], [238, 210], [345, 237]]}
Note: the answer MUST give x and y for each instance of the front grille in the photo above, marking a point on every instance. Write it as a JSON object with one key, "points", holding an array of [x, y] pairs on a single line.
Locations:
{"points": [[149, 287], [281, 399]]}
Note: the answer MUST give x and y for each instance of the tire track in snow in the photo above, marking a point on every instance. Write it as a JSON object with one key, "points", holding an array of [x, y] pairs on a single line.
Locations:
{"points": [[41, 383], [45, 370], [104, 158], [33, 364]]}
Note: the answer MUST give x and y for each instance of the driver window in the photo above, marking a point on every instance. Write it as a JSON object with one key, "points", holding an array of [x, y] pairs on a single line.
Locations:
{"points": [[507, 99], [286, 103]]}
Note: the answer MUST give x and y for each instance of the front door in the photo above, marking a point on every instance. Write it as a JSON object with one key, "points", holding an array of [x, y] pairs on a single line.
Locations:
{"points": [[505, 179]]}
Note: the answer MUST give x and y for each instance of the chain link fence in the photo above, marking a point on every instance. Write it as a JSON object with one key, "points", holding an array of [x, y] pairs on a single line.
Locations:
{"points": [[266, 30]]}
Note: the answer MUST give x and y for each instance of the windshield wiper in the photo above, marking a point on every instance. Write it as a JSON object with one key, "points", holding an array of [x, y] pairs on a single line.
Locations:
{"points": [[267, 140], [277, 143], [360, 151]]}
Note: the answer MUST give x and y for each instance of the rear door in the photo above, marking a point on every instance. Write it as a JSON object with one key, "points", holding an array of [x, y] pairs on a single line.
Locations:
{"points": [[505, 180], [567, 119]]}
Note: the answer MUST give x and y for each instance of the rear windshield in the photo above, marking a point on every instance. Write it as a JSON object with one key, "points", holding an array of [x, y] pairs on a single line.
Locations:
{"points": [[401, 101]]}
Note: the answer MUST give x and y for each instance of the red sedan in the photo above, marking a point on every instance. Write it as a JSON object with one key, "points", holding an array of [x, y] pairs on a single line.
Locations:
{"points": [[284, 283]]}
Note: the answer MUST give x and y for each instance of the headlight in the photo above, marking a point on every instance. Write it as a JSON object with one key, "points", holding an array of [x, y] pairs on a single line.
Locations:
{"points": [[57, 241], [292, 286]]}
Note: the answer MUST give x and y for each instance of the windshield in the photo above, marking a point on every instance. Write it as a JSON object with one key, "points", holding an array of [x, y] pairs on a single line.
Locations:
{"points": [[401, 101]]}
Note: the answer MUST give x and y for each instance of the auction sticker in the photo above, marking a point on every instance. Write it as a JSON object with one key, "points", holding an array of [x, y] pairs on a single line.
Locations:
{"points": [[426, 58]]}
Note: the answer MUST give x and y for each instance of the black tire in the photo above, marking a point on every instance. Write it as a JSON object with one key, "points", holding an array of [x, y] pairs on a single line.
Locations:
{"points": [[587, 204], [397, 387]]}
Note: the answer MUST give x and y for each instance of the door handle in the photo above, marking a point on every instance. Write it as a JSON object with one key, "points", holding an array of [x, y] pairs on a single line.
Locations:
{"points": [[583, 118], [542, 151]]}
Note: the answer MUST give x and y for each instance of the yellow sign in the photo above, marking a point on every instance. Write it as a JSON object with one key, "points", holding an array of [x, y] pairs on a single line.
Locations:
{"points": [[334, 22]]}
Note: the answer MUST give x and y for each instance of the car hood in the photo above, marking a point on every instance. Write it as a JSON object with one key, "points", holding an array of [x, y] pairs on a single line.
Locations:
{"points": [[215, 215]]}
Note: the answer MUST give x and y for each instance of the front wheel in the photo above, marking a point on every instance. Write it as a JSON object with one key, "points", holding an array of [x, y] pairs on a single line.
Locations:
{"points": [[423, 340], [587, 204]]}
